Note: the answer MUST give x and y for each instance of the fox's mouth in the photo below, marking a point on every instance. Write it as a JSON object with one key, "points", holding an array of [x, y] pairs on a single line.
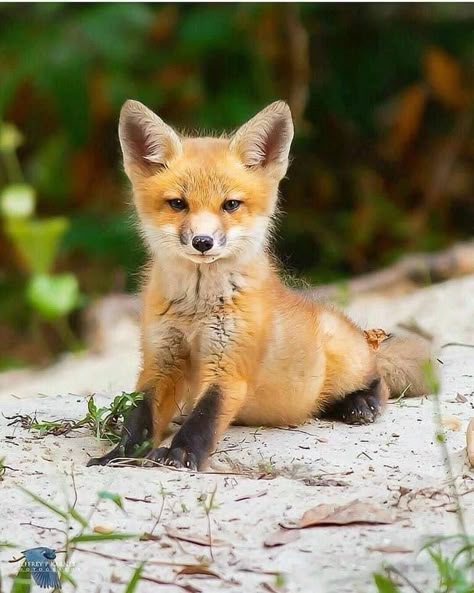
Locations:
{"points": [[203, 258]]}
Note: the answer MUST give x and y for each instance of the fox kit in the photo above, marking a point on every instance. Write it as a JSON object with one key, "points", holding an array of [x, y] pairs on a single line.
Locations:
{"points": [[219, 328]]}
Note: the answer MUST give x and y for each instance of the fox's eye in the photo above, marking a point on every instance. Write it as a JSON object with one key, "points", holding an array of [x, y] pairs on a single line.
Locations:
{"points": [[231, 205], [178, 204]]}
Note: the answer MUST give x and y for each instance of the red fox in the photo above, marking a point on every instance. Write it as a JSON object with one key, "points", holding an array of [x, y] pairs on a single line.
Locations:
{"points": [[219, 327]]}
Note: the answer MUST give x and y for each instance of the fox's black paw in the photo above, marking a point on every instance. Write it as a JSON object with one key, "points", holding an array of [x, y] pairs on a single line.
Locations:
{"points": [[359, 407], [174, 456], [116, 453]]}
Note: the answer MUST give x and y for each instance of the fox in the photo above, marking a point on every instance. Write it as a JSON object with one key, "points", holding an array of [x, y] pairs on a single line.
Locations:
{"points": [[220, 330]]}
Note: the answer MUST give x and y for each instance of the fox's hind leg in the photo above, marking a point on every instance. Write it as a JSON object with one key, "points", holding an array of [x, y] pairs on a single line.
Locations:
{"points": [[361, 406]]}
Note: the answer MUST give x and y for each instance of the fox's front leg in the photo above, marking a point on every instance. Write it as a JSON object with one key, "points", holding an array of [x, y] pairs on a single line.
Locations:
{"points": [[213, 412], [159, 381]]}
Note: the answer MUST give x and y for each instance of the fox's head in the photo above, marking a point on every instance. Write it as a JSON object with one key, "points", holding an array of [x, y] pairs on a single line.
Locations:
{"points": [[203, 198]]}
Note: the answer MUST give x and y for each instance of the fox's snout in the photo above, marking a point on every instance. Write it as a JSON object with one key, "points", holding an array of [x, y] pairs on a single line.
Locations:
{"points": [[202, 234]]}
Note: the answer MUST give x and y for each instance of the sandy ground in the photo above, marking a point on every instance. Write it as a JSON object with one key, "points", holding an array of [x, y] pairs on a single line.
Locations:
{"points": [[280, 473]]}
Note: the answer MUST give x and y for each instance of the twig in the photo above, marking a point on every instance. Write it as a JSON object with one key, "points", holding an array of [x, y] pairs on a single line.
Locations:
{"points": [[123, 559], [163, 496], [45, 528], [183, 586], [441, 434], [73, 478], [143, 462], [413, 327], [147, 499], [406, 579], [401, 396]]}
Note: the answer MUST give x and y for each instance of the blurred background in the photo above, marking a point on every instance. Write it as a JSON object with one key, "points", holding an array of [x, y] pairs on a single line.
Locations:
{"points": [[383, 155]]}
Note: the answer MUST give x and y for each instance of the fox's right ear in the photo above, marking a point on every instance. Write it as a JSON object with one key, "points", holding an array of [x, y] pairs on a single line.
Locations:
{"points": [[147, 142]]}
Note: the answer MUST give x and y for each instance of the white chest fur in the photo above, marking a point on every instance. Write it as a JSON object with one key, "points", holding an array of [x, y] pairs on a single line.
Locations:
{"points": [[196, 305]]}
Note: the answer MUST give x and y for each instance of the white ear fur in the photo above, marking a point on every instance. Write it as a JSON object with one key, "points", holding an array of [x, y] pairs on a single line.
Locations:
{"points": [[265, 140], [145, 139]]}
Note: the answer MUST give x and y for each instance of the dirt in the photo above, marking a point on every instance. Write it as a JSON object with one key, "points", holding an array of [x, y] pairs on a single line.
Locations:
{"points": [[262, 478]]}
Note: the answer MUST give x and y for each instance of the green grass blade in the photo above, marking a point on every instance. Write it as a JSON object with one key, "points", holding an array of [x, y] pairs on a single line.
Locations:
{"points": [[115, 498], [385, 584], [133, 583], [45, 503], [65, 576], [22, 581], [78, 517], [100, 537]]}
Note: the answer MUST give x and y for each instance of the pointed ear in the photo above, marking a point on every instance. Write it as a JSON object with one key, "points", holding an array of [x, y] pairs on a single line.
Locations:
{"points": [[147, 142], [265, 140]]}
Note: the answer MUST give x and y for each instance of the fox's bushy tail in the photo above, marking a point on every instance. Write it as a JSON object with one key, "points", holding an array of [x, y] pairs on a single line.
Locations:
{"points": [[401, 361]]}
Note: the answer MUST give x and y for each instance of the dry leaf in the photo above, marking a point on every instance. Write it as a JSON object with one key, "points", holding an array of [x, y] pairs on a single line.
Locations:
{"points": [[374, 337], [149, 537], [324, 483], [407, 119], [470, 441], [105, 529], [452, 423], [248, 496], [200, 540], [200, 569], [444, 75], [390, 549], [281, 537], [460, 398], [353, 512], [146, 499]]}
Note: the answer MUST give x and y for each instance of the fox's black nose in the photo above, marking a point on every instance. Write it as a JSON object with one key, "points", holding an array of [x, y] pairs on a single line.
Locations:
{"points": [[203, 243]]}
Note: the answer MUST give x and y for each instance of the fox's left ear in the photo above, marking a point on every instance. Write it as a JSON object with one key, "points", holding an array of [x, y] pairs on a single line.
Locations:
{"points": [[265, 140]]}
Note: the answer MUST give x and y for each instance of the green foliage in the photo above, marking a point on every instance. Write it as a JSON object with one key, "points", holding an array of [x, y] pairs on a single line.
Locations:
{"points": [[115, 498], [77, 531], [36, 241], [53, 296], [22, 581], [133, 583], [454, 572], [106, 421], [17, 200], [385, 584]]}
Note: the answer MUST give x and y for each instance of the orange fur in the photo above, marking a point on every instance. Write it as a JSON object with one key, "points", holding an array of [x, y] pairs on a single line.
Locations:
{"points": [[225, 318]]}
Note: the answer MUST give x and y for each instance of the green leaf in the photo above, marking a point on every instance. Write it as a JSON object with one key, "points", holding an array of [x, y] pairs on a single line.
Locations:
{"points": [[53, 296], [22, 581], [45, 503], [65, 576], [132, 584], [431, 377], [78, 517], [10, 138], [101, 537], [37, 241], [116, 498], [385, 584], [17, 200]]}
